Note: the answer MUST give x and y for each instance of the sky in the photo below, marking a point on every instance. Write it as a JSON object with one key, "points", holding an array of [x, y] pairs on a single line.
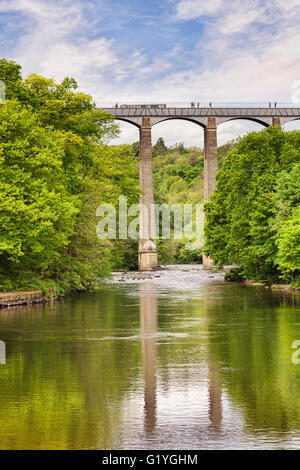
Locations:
{"points": [[161, 51]]}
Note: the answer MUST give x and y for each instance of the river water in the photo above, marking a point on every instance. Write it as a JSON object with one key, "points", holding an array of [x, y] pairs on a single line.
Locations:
{"points": [[177, 359]]}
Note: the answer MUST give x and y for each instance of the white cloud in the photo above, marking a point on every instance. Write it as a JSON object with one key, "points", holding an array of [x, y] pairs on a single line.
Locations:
{"points": [[55, 43], [248, 51], [242, 77], [235, 16], [191, 9], [260, 65]]}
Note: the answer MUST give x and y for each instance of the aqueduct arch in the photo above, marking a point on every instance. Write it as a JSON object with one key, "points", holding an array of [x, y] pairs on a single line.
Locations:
{"points": [[207, 118]]}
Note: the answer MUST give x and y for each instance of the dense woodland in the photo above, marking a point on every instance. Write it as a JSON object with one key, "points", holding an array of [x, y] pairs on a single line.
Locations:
{"points": [[253, 218], [57, 164], [55, 169], [178, 179]]}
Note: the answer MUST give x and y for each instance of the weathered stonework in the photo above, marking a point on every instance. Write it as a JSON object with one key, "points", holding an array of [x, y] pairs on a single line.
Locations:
{"points": [[210, 158], [261, 115], [210, 170], [276, 121], [9, 299], [147, 261], [147, 242]]}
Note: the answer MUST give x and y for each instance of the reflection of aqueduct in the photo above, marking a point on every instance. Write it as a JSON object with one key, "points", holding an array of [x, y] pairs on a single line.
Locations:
{"points": [[148, 318], [2, 352], [148, 302], [208, 119]]}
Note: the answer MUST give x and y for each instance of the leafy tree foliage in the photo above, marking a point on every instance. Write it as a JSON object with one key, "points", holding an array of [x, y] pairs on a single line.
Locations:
{"points": [[160, 147], [37, 214], [287, 223], [55, 169], [257, 194], [178, 179]]}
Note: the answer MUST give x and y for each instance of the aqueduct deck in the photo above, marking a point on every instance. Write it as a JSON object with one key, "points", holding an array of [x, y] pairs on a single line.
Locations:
{"points": [[262, 115]]}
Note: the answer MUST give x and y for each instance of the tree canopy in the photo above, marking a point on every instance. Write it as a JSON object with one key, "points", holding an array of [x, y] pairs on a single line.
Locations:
{"points": [[252, 219], [55, 169]]}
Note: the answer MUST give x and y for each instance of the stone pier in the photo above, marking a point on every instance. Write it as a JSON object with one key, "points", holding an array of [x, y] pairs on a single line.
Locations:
{"points": [[276, 121], [147, 237], [210, 169]]}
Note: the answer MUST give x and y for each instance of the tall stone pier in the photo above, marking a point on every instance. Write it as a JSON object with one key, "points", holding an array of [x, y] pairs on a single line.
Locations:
{"points": [[210, 169], [276, 121], [147, 235]]}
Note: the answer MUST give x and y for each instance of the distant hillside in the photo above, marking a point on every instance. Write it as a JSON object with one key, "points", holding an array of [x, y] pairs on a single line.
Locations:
{"points": [[178, 179]]}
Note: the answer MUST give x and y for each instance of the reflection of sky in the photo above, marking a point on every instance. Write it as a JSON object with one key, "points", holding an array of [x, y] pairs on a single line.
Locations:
{"points": [[173, 348], [183, 50], [188, 387], [2, 352], [191, 426]]}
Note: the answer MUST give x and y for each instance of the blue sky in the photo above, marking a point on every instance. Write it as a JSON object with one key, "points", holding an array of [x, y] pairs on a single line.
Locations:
{"points": [[167, 50]]}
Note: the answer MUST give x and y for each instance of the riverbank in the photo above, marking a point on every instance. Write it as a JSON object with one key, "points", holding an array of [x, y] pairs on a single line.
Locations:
{"points": [[10, 299], [188, 272], [159, 276], [288, 287], [233, 275], [15, 298]]}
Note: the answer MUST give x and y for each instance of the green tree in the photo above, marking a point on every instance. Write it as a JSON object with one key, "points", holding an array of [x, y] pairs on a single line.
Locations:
{"points": [[55, 169], [240, 217], [37, 215], [136, 149], [10, 74], [178, 179], [288, 244], [160, 147]]}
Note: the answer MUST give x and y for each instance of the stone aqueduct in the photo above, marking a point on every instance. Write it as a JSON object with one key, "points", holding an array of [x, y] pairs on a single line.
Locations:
{"points": [[208, 118]]}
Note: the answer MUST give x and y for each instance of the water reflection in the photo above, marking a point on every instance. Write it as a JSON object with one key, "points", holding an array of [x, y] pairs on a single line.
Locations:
{"points": [[2, 352], [195, 363], [148, 318], [251, 341], [148, 303], [214, 380]]}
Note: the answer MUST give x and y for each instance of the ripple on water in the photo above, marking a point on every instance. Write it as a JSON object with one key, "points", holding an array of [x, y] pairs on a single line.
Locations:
{"points": [[159, 334]]}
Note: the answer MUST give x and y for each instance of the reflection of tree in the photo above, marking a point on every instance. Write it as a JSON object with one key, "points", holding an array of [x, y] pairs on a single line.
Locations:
{"points": [[61, 390], [251, 332], [65, 387], [148, 317]]}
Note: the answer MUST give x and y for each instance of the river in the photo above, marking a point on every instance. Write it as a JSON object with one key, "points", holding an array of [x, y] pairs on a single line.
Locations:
{"points": [[176, 359]]}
